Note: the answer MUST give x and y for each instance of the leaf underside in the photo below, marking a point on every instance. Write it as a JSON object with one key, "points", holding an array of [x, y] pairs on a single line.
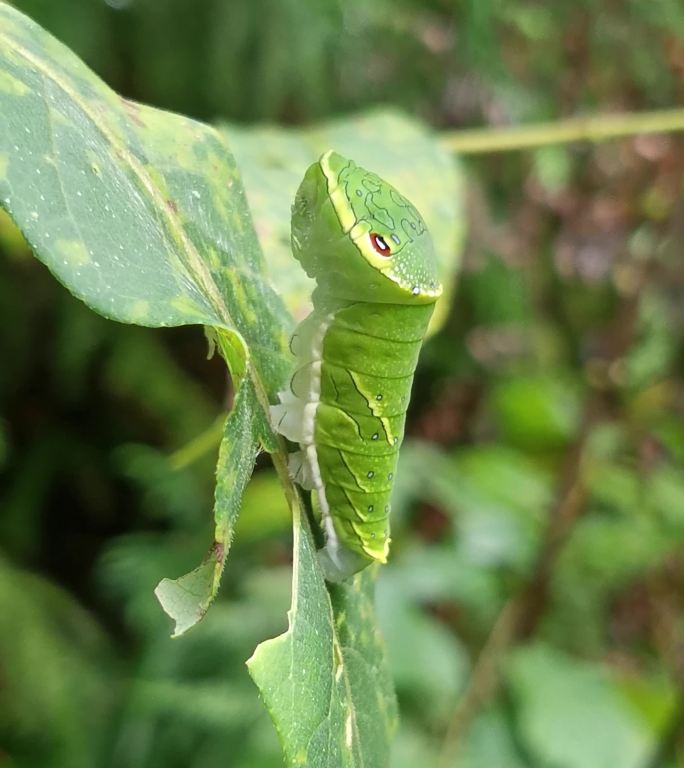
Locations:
{"points": [[187, 598]]}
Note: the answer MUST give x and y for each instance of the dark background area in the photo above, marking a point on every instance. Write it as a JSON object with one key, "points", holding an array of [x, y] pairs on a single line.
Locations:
{"points": [[534, 605]]}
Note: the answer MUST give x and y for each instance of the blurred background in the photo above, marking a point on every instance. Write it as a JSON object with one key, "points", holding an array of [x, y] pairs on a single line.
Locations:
{"points": [[534, 604]]}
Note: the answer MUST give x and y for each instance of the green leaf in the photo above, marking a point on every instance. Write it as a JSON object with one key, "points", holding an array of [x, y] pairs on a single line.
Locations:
{"points": [[389, 143], [666, 496], [651, 356], [490, 742], [495, 496], [571, 715], [142, 215], [265, 510], [539, 411], [324, 681], [187, 599], [139, 212], [55, 689], [427, 660]]}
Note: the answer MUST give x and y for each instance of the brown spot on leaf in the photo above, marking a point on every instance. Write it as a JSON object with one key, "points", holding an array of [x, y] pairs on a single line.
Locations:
{"points": [[132, 110], [218, 551]]}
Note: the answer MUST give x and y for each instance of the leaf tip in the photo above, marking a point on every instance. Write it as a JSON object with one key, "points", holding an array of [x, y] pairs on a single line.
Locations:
{"points": [[187, 599]]}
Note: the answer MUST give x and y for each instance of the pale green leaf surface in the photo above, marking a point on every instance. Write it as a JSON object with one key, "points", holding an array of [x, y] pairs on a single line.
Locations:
{"points": [[426, 659], [490, 742], [404, 152], [187, 598], [139, 212], [495, 496], [54, 689], [571, 715], [324, 681]]}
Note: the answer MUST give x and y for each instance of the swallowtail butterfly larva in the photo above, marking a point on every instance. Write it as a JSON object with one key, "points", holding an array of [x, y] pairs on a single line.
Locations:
{"points": [[372, 258]]}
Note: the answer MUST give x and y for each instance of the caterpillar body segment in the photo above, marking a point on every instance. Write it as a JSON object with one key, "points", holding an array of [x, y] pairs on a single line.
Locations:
{"points": [[355, 355]]}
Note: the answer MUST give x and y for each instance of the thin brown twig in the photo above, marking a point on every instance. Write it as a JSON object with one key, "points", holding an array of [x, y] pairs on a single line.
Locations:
{"points": [[521, 613], [483, 680]]}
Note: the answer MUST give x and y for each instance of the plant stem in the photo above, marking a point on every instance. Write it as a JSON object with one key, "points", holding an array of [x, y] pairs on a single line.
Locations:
{"points": [[199, 446], [574, 129]]}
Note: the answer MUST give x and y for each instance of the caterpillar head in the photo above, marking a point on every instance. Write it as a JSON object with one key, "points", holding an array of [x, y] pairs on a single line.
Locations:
{"points": [[360, 238]]}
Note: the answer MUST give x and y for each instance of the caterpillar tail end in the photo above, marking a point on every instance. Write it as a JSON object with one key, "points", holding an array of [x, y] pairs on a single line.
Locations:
{"points": [[341, 564]]}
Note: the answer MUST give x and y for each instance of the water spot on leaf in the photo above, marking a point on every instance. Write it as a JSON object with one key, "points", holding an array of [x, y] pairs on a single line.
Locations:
{"points": [[73, 252], [140, 309], [10, 84]]}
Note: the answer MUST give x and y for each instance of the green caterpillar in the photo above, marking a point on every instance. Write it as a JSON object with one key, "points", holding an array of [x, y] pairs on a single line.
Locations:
{"points": [[372, 258]]}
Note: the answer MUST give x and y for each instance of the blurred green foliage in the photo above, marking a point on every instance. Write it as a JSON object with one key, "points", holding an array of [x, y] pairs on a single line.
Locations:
{"points": [[551, 401]]}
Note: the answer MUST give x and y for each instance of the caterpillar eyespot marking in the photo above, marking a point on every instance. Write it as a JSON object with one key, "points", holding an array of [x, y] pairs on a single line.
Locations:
{"points": [[380, 244]]}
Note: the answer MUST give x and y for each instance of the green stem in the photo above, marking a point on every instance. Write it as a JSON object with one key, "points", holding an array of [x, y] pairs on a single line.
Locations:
{"points": [[574, 129], [199, 446]]}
